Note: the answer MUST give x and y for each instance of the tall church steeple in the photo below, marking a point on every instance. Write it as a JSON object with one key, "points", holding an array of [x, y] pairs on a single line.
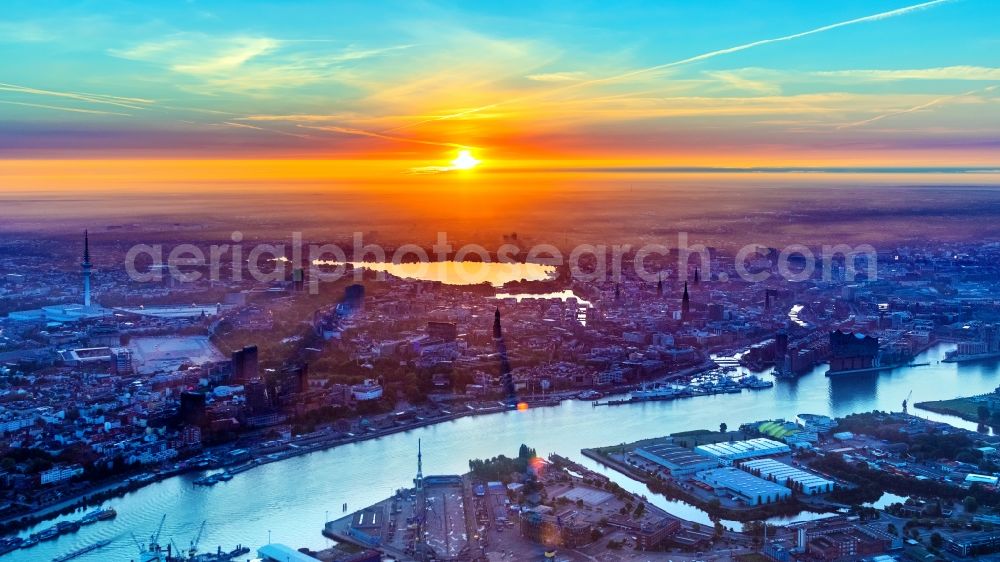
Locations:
{"points": [[506, 379], [685, 303], [497, 334]]}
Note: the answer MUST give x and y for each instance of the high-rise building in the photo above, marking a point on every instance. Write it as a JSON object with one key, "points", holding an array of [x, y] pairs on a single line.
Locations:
{"points": [[257, 397], [716, 312], [121, 360], [445, 331], [245, 364], [192, 408]]}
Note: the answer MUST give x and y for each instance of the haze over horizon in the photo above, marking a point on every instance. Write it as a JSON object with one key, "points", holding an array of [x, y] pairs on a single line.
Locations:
{"points": [[135, 95]]}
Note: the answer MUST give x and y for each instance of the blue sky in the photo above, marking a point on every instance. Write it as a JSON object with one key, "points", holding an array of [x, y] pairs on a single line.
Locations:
{"points": [[517, 80]]}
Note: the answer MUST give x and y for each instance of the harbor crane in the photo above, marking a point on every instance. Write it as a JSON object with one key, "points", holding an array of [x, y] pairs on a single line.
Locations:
{"points": [[197, 538], [155, 539], [907, 400]]}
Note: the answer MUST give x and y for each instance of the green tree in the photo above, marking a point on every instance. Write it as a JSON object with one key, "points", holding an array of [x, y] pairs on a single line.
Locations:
{"points": [[971, 504], [639, 510], [723, 427], [936, 540], [984, 413]]}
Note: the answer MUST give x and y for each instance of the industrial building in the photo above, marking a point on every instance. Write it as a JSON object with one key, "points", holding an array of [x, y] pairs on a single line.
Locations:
{"points": [[798, 480], [589, 497], [678, 461], [744, 486], [275, 552], [728, 453]]}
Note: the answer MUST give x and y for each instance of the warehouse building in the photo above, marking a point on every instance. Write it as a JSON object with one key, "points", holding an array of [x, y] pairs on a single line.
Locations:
{"points": [[678, 461], [729, 481], [798, 480], [729, 453]]}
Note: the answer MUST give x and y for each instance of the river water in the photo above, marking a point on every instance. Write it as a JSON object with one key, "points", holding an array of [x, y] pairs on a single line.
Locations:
{"points": [[291, 498]]}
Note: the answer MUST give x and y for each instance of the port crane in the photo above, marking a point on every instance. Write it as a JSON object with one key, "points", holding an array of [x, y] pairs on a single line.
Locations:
{"points": [[194, 543], [907, 400], [155, 539]]}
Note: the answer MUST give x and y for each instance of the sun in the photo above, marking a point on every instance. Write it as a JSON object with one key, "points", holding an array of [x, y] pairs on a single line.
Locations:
{"points": [[465, 161]]}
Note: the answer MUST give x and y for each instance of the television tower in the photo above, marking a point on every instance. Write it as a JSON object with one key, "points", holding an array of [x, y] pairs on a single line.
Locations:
{"points": [[419, 480], [86, 265]]}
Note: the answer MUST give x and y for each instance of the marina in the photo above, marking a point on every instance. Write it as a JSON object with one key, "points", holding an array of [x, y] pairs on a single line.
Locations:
{"points": [[716, 381]]}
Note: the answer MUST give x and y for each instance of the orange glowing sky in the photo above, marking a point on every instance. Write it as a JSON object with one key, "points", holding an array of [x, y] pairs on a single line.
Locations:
{"points": [[155, 95]]}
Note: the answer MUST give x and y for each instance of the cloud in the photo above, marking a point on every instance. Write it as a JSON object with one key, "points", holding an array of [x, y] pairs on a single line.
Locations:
{"points": [[247, 62], [557, 77], [24, 32], [200, 55], [697, 58], [736, 81], [298, 117], [973, 73]]}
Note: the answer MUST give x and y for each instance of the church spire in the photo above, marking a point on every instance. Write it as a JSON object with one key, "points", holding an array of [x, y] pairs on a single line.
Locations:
{"points": [[496, 324], [685, 303]]}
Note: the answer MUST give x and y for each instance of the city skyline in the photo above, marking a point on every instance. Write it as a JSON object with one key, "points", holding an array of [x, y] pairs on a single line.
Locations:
{"points": [[342, 281]]}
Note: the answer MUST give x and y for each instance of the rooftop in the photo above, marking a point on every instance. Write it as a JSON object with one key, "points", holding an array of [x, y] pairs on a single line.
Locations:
{"points": [[281, 553], [743, 449]]}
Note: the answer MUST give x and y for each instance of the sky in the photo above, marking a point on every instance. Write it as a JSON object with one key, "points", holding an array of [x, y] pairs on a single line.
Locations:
{"points": [[110, 89]]}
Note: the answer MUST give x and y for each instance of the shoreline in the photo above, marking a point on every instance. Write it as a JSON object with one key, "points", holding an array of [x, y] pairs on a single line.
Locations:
{"points": [[120, 487], [671, 492]]}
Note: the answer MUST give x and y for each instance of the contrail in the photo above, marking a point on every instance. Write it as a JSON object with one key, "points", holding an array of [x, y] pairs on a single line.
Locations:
{"points": [[63, 108], [916, 107], [363, 133], [130, 103], [704, 56]]}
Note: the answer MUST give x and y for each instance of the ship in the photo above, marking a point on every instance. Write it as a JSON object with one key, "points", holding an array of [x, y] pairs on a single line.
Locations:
{"points": [[755, 382], [656, 392], [589, 395], [10, 544], [100, 514], [81, 551], [47, 534]]}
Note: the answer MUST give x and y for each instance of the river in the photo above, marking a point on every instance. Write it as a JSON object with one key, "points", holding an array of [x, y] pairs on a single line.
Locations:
{"points": [[291, 498]]}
